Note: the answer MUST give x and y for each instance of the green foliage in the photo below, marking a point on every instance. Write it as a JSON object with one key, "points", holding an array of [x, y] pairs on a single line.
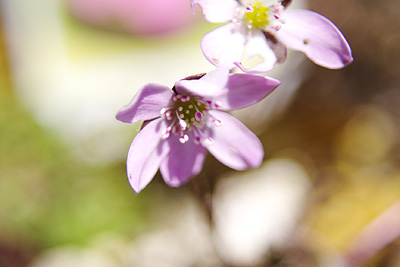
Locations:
{"points": [[48, 198]]}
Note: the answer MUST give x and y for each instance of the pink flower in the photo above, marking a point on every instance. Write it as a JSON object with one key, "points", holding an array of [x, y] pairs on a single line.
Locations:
{"points": [[264, 28], [182, 123], [149, 17]]}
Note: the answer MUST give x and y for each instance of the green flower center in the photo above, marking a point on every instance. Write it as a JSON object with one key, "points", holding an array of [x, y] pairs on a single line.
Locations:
{"points": [[189, 114], [257, 15], [190, 110]]}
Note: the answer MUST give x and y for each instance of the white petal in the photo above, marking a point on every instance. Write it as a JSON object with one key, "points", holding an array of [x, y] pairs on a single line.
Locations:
{"points": [[217, 11], [259, 57], [224, 46]]}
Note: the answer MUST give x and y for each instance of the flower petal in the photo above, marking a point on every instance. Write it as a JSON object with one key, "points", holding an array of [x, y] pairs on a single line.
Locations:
{"points": [[258, 56], [243, 90], [317, 37], [234, 144], [182, 162], [224, 46], [207, 86], [232, 91], [217, 11], [147, 103], [145, 154]]}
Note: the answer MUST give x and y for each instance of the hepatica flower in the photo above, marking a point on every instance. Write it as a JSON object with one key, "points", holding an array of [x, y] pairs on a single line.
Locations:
{"points": [[262, 29], [183, 123]]}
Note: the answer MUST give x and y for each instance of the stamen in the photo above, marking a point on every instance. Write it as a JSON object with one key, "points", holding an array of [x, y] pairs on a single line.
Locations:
{"points": [[188, 115], [217, 104], [166, 132], [183, 124], [175, 129], [184, 138], [162, 112], [217, 123], [197, 140], [199, 116], [259, 16], [209, 141], [168, 115], [176, 98], [185, 98]]}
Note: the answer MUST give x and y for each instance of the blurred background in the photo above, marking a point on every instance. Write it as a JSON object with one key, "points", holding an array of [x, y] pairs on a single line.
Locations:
{"points": [[328, 192]]}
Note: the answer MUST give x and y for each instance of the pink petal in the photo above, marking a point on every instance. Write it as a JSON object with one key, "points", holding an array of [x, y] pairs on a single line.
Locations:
{"points": [[147, 103], [234, 144], [317, 37], [182, 162], [207, 86], [243, 90], [231, 91], [224, 46], [145, 154], [217, 11], [257, 46]]}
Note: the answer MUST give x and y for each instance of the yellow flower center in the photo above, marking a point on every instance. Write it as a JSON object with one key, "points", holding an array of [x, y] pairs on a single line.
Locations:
{"points": [[257, 15]]}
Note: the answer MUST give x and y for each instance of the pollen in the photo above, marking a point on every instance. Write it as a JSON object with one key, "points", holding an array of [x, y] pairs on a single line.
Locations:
{"points": [[257, 15]]}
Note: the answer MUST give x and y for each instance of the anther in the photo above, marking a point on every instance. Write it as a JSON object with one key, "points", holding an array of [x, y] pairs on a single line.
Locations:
{"points": [[185, 98], [166, 132], [183, 124], [217, 123], [163, 111], [197, 140], [184, 138], [217, 104], [168, 115], [209, 141], [199, 116]]}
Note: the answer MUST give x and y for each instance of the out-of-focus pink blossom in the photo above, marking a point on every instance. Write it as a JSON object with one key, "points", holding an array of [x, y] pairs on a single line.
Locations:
{"points": [[145, 17]]}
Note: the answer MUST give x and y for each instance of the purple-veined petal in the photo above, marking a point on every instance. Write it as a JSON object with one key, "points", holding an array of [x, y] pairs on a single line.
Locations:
{"points": [[183, 161], [259, 57], [317, 37], [145, 154], [234, 144], [147, 103], [224, 46], [217, 11], [231, 91]]}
